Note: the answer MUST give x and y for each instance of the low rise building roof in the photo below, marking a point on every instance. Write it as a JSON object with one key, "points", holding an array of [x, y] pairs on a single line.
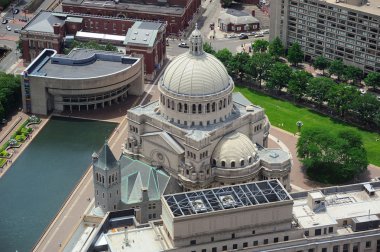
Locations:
{"points": [[237, 17], [79, 64], [142, 33]]}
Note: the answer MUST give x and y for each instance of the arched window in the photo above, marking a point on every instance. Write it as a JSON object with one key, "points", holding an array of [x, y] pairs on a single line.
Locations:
{"points": [[97, 177], [200, 109], [250, 160], [233, 164], [185, 108], [214, 162], [242, 163], [220, 105], [208, 108], [163, 100], [213, 107], [103, 179], [224, 102], [223, 163], [168, 103], [179, 107], [194, 109], [109, 179], [173, 105]]}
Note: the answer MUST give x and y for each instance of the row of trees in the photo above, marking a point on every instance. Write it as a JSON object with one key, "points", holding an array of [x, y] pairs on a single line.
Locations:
{"points": [[265, 64], [10, 94], [349, 74], [332, 157]]}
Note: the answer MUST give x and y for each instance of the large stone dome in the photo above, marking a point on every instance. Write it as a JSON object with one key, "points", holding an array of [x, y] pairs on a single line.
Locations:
{"points": [[234, 150], [196, 73]]}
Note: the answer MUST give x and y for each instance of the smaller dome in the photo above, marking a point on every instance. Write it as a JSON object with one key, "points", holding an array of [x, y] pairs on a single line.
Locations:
{"points": [[234, 150]]}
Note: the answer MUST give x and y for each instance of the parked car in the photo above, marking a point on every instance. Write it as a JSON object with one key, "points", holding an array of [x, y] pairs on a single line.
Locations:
{"points": [[362, 91], [265, 32], [259, 35], [232, 35], [183, 45], [9, 28], [16, 30], [5, 21], [252, 33], [16, 11], [243, 36]]}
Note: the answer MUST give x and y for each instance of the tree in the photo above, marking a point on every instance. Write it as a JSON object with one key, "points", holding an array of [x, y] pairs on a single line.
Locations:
{"points": [[260, 45], [295, 54], [367, 108], [258, 66], [332, 158], [298, 84], [321, 63], [373, 80], [340, 97], [238, 64], [337, 68], [224, 56], [208, 48], [352, 73], [279, 76], [318, 89], [276, 48]]}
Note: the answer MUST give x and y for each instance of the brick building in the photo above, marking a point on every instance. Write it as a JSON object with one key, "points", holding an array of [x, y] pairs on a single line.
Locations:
{"points": [[50, 29], [176, 13]]}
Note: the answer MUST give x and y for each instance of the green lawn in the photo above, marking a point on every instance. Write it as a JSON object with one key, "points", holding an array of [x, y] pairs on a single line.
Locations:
{"points": [[284, 115]]}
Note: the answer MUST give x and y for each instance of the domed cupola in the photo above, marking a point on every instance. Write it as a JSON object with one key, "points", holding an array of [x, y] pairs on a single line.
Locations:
{"points": [[196, 88], [234, 150], [196, 42]]}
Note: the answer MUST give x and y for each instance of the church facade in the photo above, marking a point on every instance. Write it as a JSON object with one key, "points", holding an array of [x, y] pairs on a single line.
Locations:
{"points": [[202, 133]]}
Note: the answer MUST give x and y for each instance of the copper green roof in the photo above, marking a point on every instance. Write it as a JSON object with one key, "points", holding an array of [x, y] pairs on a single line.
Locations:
{"points": [[137, 175]]}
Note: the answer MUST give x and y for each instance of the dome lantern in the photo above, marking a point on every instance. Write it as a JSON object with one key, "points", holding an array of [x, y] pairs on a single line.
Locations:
{"points": [[196, 42]]}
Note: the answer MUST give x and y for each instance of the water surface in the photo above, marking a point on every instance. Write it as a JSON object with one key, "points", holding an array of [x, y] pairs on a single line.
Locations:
{"points": [[35, 187]]}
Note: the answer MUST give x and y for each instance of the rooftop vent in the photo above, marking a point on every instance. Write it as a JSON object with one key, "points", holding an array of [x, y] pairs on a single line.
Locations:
{"points": [[273, 155], [228, 201], [198, 206], [369, 189]]}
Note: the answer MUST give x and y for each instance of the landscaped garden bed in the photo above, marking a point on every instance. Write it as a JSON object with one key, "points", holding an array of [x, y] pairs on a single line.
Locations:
{"points": [[18, 138]]}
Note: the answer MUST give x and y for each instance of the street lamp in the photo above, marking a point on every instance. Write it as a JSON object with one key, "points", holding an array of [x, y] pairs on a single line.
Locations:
{"points": [[299, 126]]}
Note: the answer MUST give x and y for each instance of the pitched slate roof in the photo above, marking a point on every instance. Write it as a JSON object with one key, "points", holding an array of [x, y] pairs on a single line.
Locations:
{"points": [[137, 175], [106, 159]]}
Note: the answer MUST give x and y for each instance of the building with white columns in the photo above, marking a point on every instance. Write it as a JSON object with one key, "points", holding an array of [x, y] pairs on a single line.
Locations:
{"points": [[199, 131]]}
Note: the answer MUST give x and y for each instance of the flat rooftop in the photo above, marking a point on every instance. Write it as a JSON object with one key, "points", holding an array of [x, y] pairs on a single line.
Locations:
{"points": [[197, 133], [372, 8], [138, 240], [142, 33], [228, 197], [273, 156], [144, 8], [339, 206], [79, 64]]}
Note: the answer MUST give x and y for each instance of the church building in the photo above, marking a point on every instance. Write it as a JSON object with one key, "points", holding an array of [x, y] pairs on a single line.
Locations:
{"points": [[202, 133]]}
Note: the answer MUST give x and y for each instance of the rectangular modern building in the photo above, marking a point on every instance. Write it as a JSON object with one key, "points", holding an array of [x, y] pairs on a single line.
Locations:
{"points": [[256, 217], [337, 29]]}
